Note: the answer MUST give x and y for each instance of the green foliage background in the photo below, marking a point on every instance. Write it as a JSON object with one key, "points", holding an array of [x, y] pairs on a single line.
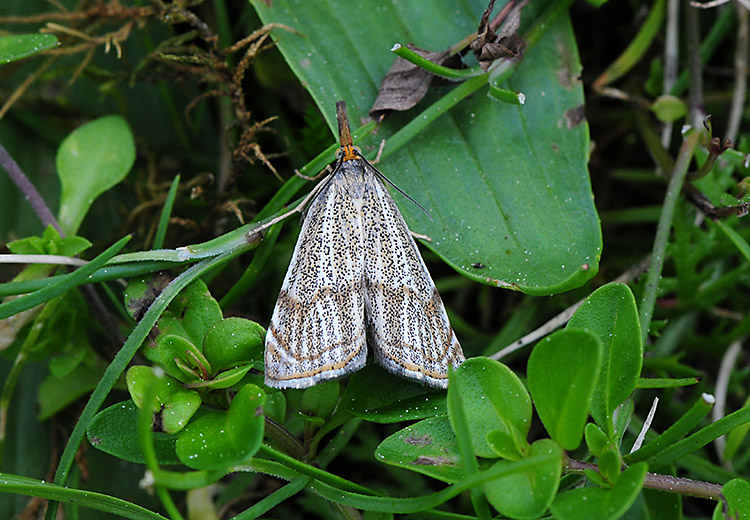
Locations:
{"points": [[182, 125]]}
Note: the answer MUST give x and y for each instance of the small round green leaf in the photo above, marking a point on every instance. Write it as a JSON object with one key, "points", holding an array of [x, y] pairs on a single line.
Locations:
{"points": [[668, 108], [233, 341], [494, 398], [610, 314], [92, 159], [610, 464], [602, 504], [169, 347], [139, 378], [221, 439], [173, 404], [737, 495], [596, 439], [528, 493], [321, 399], [178, 409], [562, 372], [191, 314], [16, 46]]}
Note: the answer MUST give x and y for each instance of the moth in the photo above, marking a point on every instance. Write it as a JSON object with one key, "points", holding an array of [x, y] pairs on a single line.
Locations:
{"points": [[356, 274]]}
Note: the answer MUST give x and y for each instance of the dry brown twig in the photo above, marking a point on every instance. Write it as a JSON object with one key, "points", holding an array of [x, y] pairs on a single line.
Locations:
{"points": [[204, 63]]}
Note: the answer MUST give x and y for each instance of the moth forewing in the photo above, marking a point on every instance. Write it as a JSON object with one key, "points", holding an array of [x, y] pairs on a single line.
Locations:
{"points": [[317, 330], [407, 323], [356, 267]]}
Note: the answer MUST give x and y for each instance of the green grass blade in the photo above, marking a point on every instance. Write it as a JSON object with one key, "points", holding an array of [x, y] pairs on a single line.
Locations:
{"points": [[90, 499], [67, 282]]}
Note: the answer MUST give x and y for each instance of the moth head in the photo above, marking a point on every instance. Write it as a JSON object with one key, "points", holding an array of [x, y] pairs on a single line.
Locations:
{"points": [[348, 152]]}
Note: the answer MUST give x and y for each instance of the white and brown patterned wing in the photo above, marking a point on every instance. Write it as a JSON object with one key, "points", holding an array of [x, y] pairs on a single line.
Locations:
{"points": [[317, 330], [407, 322]]}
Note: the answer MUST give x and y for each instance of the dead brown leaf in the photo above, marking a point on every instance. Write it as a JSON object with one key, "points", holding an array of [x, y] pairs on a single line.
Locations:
{"points": [[490, 45], [405, 83]]}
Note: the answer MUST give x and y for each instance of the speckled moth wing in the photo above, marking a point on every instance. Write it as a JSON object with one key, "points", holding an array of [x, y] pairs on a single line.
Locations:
{"points": [[317, 330], [408, 326]]}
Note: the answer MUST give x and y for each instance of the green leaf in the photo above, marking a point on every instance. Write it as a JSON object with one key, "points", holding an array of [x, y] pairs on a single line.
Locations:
{"points": [[494, 399], [668, 108], [483, 161], [610, 465], [428, 447], [602, 504], [375, 395], [16, 46], [192, 314], [224, 379], [321, 399], [222, 439], [737, 495], [173, 405], [114, 431], [92, 159], [169, 349], [55, 393], [275, 406], [62, 365], [610, 314], [528, 493], [233, 341], [50, 243], [596, 439], [562, 371]]}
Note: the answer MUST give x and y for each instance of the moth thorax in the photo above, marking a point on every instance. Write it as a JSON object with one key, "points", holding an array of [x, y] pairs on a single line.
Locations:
{"points": [[349, 152]]}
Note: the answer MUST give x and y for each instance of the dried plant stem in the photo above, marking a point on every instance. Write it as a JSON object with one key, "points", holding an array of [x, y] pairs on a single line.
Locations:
{"points": [[728, 362], [25, 85], [562, 318], [683, 486], [671, 56], [740, 73], [29, 191], [696, 111]]}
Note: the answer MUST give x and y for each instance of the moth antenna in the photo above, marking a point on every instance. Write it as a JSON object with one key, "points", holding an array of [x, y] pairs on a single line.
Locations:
{"points": [[402, 192], [345, 135]]}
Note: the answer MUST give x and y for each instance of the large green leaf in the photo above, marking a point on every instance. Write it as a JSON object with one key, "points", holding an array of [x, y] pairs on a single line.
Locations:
{"points": [[114, 431], [506, 186], [428, 447], [375, 395], [16, 46]]}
